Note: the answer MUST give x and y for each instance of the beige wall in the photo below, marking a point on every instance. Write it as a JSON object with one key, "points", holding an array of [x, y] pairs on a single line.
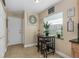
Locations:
{"points": [[64, 46], [29, 29], [19, 14]]}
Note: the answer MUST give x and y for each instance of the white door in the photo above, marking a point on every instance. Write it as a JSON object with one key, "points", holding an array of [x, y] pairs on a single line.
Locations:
{"points": [[14, 31]]}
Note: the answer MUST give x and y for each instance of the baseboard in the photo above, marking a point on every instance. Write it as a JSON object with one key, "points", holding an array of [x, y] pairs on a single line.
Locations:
{"points": [[5, 52], [29, 45], [62, 54], [14, 43]]}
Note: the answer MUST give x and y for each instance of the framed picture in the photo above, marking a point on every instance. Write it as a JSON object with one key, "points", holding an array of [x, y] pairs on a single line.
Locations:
{"points": [[70, 25], [71, 12]]}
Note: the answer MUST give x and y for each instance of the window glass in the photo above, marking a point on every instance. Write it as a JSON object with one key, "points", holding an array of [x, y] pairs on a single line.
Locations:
{"points": [[56, 24]]}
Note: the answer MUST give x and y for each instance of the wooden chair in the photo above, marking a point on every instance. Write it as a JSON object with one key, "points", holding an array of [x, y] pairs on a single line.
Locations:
{"points": [[47, 45]]}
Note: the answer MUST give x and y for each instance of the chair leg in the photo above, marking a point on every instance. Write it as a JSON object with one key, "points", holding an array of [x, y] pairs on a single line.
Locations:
{"points": [[41, 48], [53, 52], [45, 53]]}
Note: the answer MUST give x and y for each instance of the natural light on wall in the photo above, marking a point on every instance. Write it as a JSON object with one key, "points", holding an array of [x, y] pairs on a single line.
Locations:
{"points": [[36, 1], [56, 23]]}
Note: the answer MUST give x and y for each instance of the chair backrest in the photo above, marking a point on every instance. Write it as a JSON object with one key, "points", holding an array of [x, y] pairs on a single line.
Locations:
{"points": [[48, 39]]}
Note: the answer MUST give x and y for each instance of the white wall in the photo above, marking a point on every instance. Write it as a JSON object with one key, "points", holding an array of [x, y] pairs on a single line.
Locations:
{"points": [[3, 41]]}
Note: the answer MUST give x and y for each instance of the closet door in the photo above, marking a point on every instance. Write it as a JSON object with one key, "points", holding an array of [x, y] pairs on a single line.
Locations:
{"points": [[14, 31]]}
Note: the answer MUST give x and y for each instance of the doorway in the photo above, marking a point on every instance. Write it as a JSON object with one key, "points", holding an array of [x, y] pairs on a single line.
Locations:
{"points": [[14, 31]]}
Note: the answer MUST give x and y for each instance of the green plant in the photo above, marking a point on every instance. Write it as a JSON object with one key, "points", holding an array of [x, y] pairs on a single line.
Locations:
{"points": [[46, 27]]}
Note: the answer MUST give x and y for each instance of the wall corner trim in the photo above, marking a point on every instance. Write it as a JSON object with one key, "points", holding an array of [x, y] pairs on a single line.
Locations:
{"points": [[62, 54], [29, 45]]}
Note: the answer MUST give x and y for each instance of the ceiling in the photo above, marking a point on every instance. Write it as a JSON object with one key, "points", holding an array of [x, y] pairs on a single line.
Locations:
{"points": [[29, 5]]}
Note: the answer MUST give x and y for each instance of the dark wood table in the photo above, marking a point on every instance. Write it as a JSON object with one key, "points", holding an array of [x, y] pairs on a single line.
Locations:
{"points": [[45, 39]]}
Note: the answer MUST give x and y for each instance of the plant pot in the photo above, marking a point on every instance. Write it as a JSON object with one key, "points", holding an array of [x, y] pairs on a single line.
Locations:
{"points": [[47, 34], [58, 36]]}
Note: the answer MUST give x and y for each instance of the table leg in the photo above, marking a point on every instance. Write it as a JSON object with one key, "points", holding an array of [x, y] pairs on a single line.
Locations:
{"points": [[38, 44]]}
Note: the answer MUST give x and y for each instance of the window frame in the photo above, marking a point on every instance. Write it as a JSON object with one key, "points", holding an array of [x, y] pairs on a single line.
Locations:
{"points": [[62, 21]]}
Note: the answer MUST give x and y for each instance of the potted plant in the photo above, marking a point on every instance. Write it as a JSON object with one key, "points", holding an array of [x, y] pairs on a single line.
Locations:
{"points": [[58, 35], [46, 27]]}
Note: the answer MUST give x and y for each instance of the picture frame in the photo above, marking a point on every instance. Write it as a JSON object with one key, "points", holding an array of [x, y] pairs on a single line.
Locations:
{"points": [[70, 25], [71, 12], [32, 20]]}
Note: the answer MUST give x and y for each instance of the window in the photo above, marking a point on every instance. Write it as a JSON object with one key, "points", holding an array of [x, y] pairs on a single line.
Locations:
{"points": [[56, 24]]}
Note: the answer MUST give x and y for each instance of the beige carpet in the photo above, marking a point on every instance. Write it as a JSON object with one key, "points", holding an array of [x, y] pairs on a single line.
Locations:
{"points": [[18, 51]]}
